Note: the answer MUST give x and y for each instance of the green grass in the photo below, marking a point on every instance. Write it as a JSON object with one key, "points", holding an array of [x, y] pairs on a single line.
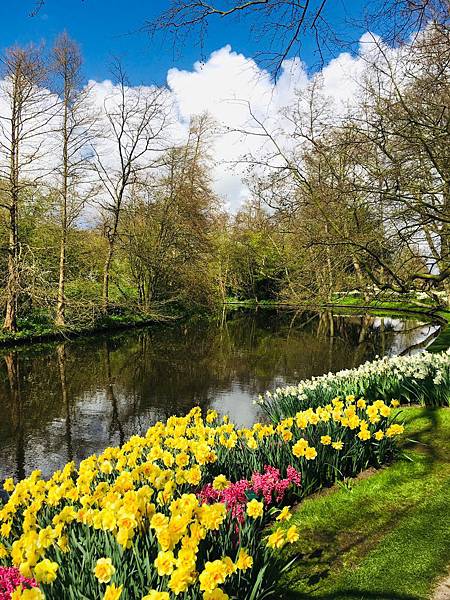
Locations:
{"points": [[391, 306], [385, 536], [442, 342], [39, 326]]}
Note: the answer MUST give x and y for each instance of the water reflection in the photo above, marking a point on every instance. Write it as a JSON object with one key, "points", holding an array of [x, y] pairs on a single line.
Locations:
{"points": [[64, 401]]}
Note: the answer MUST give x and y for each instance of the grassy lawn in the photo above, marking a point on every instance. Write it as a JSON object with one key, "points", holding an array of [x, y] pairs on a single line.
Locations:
{"points": [[442, 342], [385, 536]]}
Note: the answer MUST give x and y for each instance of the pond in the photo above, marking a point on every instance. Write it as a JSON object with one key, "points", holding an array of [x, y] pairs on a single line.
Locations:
{"points": [[64, 401]]}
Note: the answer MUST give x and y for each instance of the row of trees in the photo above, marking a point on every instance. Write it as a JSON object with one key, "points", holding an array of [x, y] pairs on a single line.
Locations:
{"points": [[102, 211], [80, 183], [363, 201]]}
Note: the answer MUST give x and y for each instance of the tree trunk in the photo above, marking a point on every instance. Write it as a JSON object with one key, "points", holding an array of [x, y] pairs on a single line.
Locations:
{"points": [[60, 319], [12, 286], [106, 275], [444, 264], [360, 277], [329, 268]]}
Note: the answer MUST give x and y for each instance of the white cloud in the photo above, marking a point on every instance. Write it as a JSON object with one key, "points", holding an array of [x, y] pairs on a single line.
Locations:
{"points": [[37, 147], [223, 86], [228, 80], [228, 83]]}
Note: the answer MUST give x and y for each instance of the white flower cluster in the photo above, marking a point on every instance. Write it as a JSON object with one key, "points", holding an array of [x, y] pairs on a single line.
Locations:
{"points": [[395, 369]]}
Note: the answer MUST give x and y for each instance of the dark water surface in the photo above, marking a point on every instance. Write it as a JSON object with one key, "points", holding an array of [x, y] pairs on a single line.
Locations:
{"points": [[64, 401]]}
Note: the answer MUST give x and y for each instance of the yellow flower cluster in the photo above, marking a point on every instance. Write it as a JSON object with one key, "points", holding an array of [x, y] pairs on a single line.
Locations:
{"points": [[140, 487], [255, 509], [280, 537], [27, 594], [349, 414], [145, 489]]}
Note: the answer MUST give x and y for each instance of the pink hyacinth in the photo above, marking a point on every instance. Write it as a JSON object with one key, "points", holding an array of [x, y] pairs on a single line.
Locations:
{"points": [[294, 476], [10, 579], [270, 485], [234, 496]]}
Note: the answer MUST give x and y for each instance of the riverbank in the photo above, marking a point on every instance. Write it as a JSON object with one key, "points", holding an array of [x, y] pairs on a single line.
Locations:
{"points": [[37, 331], [379, 308], [62, 399], [389, 308], [32, 333], [385, 535]]}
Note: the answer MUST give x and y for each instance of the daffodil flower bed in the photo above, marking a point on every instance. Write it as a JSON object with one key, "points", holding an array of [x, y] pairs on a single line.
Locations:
{"points": [[418, 379], [156, 520]]}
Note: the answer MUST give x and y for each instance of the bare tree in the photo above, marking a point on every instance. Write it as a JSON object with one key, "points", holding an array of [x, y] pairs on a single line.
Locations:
{"points": [[168, 224], [75, 133], [136, 119], [27, 117], [402, 20], [281, 26], [377, 181], [404, 159]]}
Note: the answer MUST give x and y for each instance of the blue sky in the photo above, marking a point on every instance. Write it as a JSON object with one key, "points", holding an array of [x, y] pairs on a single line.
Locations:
{"points": [[106, 28]]}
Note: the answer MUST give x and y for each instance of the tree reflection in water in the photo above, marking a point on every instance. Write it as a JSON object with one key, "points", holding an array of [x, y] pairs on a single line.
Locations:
{"points": [[64, 401]]}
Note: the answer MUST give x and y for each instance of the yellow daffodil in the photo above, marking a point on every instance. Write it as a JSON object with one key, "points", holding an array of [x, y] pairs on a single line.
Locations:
{"points": [[164, 563], [276, 539], [285, 514], [255, 509], [299, 448], [310, 453], [155, 595], [292, 534], [21, 593], [104, 570], [112, 592], [8, 484], [220, 482], [394, 429], [216, 594], [45, 571], [213, 575], [244, 560]]}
